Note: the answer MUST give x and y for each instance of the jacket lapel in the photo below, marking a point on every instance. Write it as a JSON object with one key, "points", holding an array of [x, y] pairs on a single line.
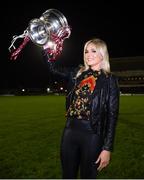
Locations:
{"points": [[100, 83]]}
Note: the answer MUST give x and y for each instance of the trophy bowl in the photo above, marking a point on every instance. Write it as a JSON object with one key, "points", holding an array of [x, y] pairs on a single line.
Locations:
{"points": [[52, 23]]}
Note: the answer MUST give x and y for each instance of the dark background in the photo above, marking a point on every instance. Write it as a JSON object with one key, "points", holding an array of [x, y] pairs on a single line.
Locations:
{"points": [[118, 23]]}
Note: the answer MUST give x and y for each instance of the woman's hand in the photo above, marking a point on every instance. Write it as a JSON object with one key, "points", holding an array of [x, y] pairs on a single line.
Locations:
{"points": [[104, 159]]}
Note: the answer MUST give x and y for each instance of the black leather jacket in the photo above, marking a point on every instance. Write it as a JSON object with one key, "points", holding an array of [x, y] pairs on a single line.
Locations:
{"points": [[104, 103]]}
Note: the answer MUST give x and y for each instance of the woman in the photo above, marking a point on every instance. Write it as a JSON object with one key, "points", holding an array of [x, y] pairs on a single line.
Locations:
{"points": [[92, 106]]}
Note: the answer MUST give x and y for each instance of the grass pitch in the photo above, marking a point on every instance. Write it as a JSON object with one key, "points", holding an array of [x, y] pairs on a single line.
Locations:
{"points": [[30, 135]]}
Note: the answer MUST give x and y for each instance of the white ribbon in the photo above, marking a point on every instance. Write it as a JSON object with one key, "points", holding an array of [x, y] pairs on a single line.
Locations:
{"points": [[25, 33]]}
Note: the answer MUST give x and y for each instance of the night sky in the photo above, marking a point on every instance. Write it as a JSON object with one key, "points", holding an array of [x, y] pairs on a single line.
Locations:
{"points": [[120, 24]]}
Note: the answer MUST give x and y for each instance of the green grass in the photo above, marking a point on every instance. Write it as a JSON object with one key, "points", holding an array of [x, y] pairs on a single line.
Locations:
{"points": [[30, 135]]}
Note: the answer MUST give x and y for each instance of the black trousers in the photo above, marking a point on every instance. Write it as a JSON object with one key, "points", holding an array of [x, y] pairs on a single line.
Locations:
{"points": [[80, 148]]}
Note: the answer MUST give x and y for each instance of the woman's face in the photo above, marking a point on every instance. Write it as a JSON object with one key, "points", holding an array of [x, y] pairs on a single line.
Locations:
{"points": [[93, 57]]}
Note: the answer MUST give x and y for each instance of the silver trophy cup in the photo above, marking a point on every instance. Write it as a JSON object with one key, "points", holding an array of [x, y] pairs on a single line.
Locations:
{"points": [[49, 31], [50, 26]]}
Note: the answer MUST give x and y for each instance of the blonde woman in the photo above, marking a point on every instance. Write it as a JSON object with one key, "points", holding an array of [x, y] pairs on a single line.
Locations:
{"points": [[92, 106]]}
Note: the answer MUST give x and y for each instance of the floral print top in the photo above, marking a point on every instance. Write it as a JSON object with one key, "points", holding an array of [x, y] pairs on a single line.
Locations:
{"points": [[79, 107]]}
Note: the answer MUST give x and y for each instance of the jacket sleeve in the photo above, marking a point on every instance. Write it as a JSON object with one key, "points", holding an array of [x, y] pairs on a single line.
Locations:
{"points": [[63, 72], [112, 113]]}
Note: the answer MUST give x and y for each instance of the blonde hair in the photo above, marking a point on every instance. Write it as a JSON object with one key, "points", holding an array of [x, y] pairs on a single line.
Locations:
{"points": [[100, 47]]}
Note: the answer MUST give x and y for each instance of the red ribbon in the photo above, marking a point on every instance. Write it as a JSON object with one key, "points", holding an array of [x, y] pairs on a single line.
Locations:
{"points": [[17, 51]]}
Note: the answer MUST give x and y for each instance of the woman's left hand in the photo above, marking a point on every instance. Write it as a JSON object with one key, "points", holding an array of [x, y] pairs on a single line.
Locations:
{"points": [[104, 159]]}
